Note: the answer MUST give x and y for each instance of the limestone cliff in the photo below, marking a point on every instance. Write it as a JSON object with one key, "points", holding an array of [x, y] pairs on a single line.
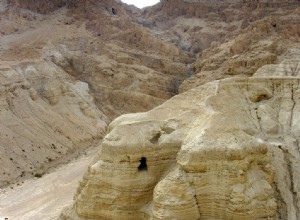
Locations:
{"points": [[226, 150]]}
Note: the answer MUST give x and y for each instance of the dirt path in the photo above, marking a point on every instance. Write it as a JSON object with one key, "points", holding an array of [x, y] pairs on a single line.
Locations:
{"points": [[44, 198]]}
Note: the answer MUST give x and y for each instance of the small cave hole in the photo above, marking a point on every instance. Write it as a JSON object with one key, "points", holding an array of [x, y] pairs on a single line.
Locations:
{"points": [[274, 25], [114, 11], [38, 175], [143, 164]]}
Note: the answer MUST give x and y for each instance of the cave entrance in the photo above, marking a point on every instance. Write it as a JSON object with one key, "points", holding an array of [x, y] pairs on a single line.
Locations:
{"points": [[143, 164], [114, 11]]}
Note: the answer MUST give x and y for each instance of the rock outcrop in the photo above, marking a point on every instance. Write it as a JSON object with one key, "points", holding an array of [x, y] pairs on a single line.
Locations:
{"points": [[226, 150]]}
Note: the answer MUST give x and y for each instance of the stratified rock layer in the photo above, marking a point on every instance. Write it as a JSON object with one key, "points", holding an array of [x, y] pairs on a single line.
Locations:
{"points": [[226, 150]]}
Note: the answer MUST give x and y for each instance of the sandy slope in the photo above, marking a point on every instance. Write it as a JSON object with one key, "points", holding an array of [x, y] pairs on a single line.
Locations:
{"points": [[44, 198]]}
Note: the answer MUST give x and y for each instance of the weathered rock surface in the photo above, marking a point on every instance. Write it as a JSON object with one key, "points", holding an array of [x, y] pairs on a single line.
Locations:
{"points": [[45, 117], [264, 41], [206, 154], [41, 6], [66, 73], [226, 150], [227, 38]]}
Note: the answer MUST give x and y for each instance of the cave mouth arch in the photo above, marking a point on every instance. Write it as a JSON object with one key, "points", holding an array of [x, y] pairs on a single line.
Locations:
{"points": [[143, 164]]}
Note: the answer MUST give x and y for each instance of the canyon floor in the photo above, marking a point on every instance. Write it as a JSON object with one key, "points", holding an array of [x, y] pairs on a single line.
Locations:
{"points": [[45, 197]]}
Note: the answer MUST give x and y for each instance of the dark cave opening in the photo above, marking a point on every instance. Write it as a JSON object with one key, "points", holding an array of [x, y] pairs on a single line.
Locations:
{"points": [[143, 164]]}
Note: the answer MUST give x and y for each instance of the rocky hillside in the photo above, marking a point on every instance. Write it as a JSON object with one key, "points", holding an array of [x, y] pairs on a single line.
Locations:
{"points": [[68, 72], [70, 67], [41, 6], [226, 150], [228, 38]]}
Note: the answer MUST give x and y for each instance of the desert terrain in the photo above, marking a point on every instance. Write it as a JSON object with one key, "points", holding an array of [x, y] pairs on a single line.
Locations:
{"points": [[183, 110]]}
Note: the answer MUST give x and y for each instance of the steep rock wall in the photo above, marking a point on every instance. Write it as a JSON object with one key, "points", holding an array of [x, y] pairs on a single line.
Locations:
{"points": [[226, 150]]}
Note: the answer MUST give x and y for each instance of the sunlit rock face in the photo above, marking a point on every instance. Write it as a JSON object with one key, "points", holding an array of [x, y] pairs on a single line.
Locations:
{"points": [[225, 150]]}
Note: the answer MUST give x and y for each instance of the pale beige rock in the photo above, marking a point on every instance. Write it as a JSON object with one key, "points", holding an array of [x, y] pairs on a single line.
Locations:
{"points": [[225, 150], [288, 68], [43, 120], [53, 65]]}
